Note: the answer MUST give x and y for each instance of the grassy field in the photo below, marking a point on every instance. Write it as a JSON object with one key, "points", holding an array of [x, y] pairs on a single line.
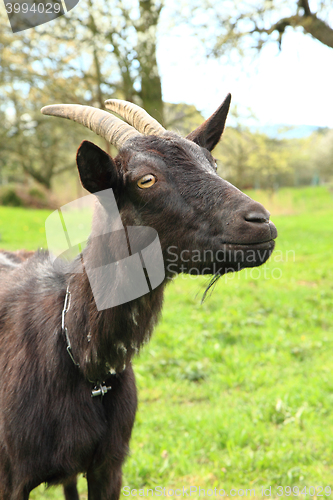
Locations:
{"points": [[237, 392]]}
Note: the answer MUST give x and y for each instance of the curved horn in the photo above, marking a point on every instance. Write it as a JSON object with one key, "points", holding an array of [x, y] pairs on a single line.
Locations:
{"points": [[135, 116], [101, 122]]}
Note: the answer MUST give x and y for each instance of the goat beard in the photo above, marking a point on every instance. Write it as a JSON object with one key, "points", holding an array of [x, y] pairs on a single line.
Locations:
{"points": [[234, 268], [214, 279], [211, 285]]}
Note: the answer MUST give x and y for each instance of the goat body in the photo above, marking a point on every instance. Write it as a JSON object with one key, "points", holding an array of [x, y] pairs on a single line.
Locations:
{"points": [[51, 428]]}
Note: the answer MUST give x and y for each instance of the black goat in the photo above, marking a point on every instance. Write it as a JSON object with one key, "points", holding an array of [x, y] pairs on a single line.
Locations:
{"points": [[51, 428]]}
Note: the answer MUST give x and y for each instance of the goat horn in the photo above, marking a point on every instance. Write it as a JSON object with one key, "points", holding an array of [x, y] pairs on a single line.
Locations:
{"points": [[101, 122], [135, 116]]}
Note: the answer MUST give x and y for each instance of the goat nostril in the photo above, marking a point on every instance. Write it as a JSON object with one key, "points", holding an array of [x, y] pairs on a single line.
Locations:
{"points": [[257, 217]]}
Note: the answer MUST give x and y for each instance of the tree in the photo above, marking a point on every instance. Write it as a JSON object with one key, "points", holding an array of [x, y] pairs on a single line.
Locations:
{"points": [[182, 118], [31, 77], [252, 159], [105, 49], [150, 87], [242, 25], [322, 155]]}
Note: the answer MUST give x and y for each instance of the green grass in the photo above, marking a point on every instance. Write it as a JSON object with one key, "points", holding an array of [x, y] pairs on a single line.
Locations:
{"points": [[22, 228], [237, 392]]}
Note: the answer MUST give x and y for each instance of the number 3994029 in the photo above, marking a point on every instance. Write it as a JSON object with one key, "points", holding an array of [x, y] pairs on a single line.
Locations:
{"points": [[317, 491], [41, 8]]}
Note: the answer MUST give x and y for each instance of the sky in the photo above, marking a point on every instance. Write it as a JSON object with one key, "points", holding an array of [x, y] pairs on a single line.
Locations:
{"points": [[293, 86]]}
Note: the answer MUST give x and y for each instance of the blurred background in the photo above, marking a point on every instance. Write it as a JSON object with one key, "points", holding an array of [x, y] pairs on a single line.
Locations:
{"points": [[178, 60], [236, 392]]}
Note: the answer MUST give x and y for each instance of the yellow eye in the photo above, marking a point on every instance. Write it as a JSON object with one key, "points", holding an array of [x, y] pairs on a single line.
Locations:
{"points": [[146, 181]]}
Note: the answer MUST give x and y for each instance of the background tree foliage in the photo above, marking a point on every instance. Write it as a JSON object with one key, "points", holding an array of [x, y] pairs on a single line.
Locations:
{"points": [[108, 49], [116, 58], [251, 159]]}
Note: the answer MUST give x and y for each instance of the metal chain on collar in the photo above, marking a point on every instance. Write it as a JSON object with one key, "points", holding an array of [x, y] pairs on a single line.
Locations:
{"points": [[67, 305], [99, 389]]}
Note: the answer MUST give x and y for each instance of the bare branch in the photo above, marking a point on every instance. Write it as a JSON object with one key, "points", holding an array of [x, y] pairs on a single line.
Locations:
{"points": [[310, 24]]}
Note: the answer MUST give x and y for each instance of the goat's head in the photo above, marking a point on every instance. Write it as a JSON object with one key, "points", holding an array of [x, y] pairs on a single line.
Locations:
{"points": [[161, 180]]}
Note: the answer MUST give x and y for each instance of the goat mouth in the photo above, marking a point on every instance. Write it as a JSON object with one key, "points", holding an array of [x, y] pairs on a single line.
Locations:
{"points": [[262, 251], [248, 254], [233, 257], [261, 245]]}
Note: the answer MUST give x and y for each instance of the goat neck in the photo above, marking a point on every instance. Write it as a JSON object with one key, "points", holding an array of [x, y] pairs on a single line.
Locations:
{"points": [[104, 341]]}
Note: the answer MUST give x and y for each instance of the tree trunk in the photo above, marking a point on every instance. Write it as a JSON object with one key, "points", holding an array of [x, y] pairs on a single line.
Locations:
{"points": [[151, 88]]}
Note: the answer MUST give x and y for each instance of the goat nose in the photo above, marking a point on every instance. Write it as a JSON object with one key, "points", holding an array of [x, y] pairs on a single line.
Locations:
{"points": [[256, 216]]}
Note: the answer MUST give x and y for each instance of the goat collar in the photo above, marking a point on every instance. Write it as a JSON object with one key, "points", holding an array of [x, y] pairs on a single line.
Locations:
{"points": [[99, 389]]}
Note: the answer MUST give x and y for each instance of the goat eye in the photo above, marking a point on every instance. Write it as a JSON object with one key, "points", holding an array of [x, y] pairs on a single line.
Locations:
{"points": [[146, 181]]}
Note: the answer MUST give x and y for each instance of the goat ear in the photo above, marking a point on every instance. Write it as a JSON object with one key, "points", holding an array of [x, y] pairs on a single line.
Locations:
{"points": [[209, 133], [96, 168]]}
